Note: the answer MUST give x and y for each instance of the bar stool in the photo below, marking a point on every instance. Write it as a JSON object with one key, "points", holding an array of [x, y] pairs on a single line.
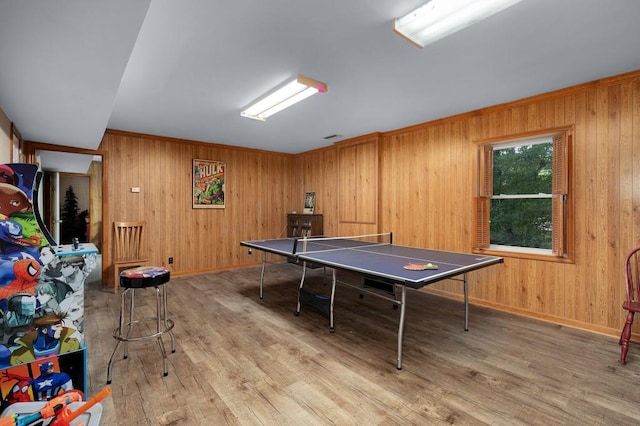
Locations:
{"points": [[130, 329]]}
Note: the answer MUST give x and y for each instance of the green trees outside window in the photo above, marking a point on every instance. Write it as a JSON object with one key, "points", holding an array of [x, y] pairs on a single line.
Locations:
{"points": [[524, 205], [521, 213]]}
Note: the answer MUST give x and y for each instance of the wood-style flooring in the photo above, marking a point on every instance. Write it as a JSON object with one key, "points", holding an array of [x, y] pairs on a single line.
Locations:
{"points": [[245, 361]]}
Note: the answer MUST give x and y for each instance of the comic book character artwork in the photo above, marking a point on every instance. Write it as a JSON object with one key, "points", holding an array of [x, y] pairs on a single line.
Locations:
{"points": [[18, 388], [41, 298], [14, 191], [20, 237], [44, 293], [25, 279], [73, 306], [49, 338], [41, 381], [50, 383], [76, 269], [208, 184], [15, 247]]}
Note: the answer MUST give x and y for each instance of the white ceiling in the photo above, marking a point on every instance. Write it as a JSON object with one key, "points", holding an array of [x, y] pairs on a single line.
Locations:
{"points": [[185, 69], [57, 161]]}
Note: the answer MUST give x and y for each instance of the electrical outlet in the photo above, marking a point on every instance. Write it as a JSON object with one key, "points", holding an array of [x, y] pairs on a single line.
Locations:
{"points": [[170, 260]]}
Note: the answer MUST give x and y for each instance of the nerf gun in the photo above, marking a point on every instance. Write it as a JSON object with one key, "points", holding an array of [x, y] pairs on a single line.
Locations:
{"points": [[56, 409], [49, 410], [8, 420], [66, 416]]}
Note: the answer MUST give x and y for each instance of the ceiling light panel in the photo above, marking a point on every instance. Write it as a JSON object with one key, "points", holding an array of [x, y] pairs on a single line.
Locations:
{"points": [[440, 18], [283, 97]]}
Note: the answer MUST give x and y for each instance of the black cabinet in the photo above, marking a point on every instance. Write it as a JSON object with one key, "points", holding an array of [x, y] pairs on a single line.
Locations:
{"points": [[304, 225]]}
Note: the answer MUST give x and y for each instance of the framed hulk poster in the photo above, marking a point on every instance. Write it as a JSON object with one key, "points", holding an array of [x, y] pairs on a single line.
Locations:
{"points": [[208, 184]]}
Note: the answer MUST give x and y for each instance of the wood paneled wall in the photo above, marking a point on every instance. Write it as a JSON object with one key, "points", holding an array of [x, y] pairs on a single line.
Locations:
{"points": [[95, 229], [358, 185], [317, 171], [258, 190], [426, 181]]}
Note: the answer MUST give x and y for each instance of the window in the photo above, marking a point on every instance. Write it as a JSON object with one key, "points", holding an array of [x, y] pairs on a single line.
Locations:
{"points": [[523, 200]]}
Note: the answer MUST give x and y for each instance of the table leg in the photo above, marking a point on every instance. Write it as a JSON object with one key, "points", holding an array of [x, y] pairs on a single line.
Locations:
{"points": [[466, 303], [332, 329], [264, 263], [401, 326], [304, 272]]}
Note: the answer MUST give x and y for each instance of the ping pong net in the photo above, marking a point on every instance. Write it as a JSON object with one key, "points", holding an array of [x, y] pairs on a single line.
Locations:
{"points": [[318, 244]]}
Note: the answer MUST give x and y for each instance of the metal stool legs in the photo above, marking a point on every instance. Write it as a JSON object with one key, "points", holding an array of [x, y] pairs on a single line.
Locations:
{"points": [[124, 333]]}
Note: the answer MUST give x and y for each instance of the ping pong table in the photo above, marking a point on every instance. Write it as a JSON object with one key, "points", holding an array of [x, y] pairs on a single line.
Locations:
{"points": [[377, 260]]}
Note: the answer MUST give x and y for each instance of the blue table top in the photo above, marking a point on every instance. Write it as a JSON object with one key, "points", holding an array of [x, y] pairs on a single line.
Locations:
{"points": [[378, 260], [68, 250]]}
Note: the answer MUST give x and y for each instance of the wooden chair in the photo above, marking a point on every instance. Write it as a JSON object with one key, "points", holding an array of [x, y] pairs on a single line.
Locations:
{"points": [[632, 304], [127, 248]]}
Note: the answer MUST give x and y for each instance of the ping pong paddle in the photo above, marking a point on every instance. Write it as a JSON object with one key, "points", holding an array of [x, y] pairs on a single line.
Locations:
{"points": [[420, 266]]}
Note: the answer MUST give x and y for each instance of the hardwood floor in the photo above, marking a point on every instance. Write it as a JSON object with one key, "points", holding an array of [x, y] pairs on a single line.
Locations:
{"points": [[245, 361]]}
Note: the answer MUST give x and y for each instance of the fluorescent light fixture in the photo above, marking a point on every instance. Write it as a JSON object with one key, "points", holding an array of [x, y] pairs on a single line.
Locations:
{"points": [[440, 18], [280, 98]]}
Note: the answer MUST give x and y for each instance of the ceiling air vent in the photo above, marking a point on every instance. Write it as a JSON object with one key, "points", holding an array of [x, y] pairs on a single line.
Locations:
{"points": [[332, 137]]}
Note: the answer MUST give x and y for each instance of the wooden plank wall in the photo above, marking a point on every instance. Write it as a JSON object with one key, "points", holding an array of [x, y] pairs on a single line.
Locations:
{"points": [[428, 180], [95, 228], [425, 187], [317, 171], [358, 185], [258, 192]]}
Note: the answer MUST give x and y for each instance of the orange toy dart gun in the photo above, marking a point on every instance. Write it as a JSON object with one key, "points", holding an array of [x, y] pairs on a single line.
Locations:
{"points": [[56, 409], [66, 416], [49, 410], [8, 420]]}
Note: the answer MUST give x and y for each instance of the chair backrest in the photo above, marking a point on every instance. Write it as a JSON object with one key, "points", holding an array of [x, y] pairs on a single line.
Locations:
{"points": [[632, 275], [128, 240]]}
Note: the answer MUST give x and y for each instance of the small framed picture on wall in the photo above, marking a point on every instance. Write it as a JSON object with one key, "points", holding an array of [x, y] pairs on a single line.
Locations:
{"points": [[309, 202]]}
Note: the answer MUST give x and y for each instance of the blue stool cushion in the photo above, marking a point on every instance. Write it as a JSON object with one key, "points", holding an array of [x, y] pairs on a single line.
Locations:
{"points": [[144, 276]]}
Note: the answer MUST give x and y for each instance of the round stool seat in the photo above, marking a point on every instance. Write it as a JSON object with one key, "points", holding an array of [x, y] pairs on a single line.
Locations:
{"points": [[144, 276], [129, 330]]}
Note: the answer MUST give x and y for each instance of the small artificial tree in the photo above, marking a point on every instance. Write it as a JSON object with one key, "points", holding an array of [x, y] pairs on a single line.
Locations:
{"points": [[69, 225]]}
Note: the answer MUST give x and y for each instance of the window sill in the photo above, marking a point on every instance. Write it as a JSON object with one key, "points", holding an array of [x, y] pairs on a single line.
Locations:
{"points": [[523, 254]]}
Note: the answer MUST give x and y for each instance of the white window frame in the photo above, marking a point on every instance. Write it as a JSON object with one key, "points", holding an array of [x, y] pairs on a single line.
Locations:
{"points": [[562, 229]]}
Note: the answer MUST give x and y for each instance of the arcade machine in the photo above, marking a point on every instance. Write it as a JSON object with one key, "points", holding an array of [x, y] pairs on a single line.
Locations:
{"points": [[42, 346]]}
